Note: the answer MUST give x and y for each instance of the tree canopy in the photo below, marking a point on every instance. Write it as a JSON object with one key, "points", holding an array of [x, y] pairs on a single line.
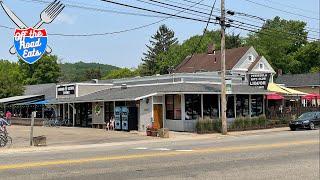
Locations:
{"points": [[10, 79], [120, 73], [46, 70], [278, 40], [160, 42]]}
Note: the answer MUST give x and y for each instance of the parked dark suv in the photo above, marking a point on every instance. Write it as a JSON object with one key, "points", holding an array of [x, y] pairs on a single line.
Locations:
{"points": [[309, 120]]}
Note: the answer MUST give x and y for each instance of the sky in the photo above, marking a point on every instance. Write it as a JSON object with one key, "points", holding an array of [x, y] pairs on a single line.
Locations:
{"points": [[126, 49]]}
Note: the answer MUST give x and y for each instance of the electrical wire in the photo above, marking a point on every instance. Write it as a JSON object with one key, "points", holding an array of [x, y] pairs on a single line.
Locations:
{"points": [[95, 9], [246, 25], [206, 5], [231, 20], [281, 10], [205, 30], [293, 7], [127, 30]]}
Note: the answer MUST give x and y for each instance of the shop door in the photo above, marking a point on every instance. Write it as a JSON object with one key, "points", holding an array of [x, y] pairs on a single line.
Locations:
{"points": [[158, 116]]}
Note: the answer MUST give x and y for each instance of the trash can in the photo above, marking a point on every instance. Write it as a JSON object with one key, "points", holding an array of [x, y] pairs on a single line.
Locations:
{"points": [[164, 133]]}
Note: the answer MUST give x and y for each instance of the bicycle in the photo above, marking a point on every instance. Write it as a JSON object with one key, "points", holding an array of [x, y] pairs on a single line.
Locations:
{"points": [[4, 137]]}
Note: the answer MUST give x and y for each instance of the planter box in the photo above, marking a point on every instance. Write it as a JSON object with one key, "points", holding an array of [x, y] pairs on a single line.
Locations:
{"points": [[39, 141]]}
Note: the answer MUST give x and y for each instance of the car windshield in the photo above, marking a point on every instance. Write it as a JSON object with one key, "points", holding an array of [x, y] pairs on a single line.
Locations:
{"points": [[307, 115]]}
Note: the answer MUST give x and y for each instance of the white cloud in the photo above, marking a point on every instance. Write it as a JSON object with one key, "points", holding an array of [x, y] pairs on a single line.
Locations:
{"points": [[64, 18]]}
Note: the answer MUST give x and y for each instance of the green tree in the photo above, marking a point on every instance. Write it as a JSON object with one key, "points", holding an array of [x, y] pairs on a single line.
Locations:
{"points": [[93, 73], [10, 79], [76, 72], [160, 43], [46, 70], [120, 73], [306, 59], [277, 39]]}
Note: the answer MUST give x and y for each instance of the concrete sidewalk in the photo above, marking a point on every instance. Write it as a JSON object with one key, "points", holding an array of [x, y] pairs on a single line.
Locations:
{"points": [[81, 138], [70, 136]]}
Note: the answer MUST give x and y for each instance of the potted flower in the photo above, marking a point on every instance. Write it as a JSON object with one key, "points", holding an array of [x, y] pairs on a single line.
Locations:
{"points": [[149, 130]]}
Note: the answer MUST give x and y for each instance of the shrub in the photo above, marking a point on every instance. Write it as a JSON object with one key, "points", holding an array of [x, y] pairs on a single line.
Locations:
{"points": [[262, 121], [208, 125], [254, 122]]}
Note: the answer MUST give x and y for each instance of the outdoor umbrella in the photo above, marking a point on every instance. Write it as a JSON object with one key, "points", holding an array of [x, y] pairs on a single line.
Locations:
{"points": [[274, 96], [311, 96]]}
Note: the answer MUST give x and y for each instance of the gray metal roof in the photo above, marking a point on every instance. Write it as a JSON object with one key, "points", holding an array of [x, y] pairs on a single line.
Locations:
{"points": [[48, 90], [299, 80], [19, 99], [138, 92]]}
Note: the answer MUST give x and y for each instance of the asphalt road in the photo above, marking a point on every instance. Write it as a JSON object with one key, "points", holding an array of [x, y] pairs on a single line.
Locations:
{"points": [[278, 155]]}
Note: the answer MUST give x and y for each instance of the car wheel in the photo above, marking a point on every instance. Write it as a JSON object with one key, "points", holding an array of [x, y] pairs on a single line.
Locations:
{"points": [[292, 128], [311, 126]]}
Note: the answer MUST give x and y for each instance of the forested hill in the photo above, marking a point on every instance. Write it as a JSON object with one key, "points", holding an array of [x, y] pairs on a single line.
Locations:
{"points": [[82, 71]]}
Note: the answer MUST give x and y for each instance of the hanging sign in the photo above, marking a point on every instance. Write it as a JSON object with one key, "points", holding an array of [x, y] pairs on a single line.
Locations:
{"points": [[259, 80], [30, 44]]}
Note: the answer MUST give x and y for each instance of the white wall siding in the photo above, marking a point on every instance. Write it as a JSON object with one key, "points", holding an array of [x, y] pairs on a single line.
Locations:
{"points": [[174, 125], [146, 115]]}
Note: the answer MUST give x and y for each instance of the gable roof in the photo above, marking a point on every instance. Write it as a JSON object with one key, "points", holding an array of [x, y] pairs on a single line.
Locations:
{"points": [[211, 62], [254, 63], [299, 80]]}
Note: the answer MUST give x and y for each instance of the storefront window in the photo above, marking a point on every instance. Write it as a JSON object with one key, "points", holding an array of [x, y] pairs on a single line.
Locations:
{"points": [[109, 111], [230, 106], [173, 107], [193, 106], [256, 105], [242, 105], [210, 106]]}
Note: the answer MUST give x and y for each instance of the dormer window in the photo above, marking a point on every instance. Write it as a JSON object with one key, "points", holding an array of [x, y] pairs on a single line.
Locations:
{"points": [[261, 66], [250, 57]]}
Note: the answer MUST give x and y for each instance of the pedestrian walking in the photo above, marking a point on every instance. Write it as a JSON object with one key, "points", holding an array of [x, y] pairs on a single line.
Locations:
{"points": [[8, 117]]}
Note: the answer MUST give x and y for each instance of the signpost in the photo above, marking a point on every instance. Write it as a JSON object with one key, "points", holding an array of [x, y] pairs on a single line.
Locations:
{"points": [[33, 114]]}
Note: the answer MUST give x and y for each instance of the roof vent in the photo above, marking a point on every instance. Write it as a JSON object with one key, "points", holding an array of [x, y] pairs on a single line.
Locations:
{"points": [[124, 86]]}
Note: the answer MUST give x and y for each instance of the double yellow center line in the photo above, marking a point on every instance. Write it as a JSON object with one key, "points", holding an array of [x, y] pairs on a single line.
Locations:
{"points": [[158, 154]]}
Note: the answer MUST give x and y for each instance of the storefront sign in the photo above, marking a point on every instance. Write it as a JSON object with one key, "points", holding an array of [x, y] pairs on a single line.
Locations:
{"points": [[66, 90], [259, 80], [30, 44]]}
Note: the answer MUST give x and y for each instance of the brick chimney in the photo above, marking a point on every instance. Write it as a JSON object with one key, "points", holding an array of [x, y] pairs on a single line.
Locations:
{"points": [[279, 72], [211, 49]]}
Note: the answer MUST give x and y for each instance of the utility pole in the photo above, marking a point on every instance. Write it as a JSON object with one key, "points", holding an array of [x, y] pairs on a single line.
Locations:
{"points": [[223, 71]]}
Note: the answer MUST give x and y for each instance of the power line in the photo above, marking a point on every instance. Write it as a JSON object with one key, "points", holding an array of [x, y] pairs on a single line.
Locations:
{"points": [[231, 20], [206, 5], [96, 9], [139, 27], [154, 11], [204, 32], [281, 10], [122, 31], [174, 9], [148, 15], [293, 7]]}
